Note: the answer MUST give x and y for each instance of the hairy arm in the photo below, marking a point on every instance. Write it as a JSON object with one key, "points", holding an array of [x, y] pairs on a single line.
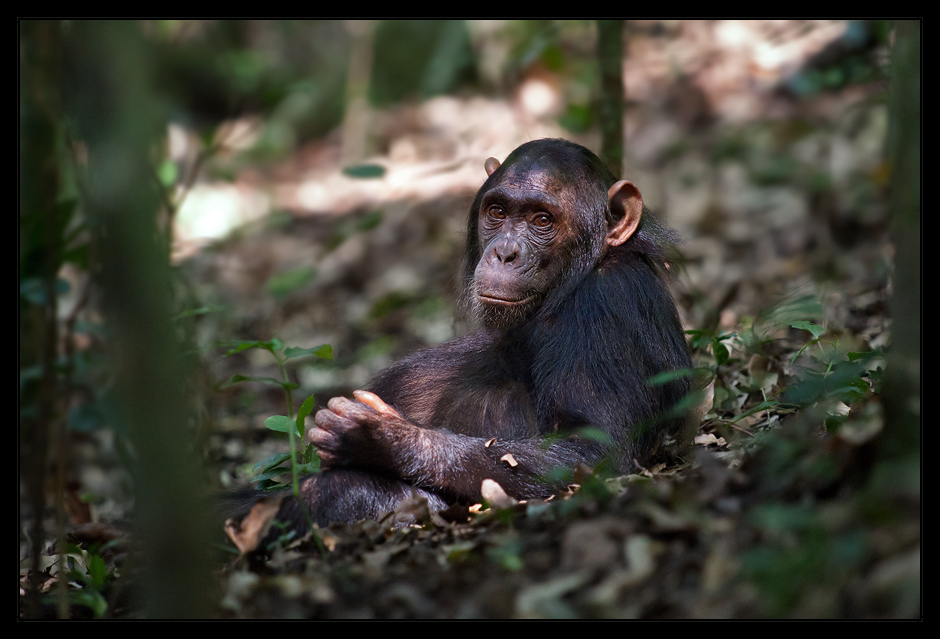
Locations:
{"points": [[368, 434]]}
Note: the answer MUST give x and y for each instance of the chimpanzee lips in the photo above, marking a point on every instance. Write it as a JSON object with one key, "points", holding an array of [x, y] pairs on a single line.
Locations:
{"points": [[500, 301]]}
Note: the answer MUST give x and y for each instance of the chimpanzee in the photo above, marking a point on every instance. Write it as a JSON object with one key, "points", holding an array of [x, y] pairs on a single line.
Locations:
{"points": [[565, 271]]}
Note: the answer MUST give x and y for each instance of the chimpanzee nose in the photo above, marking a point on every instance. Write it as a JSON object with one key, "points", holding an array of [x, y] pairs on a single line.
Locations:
{"points": [[506, 250]]}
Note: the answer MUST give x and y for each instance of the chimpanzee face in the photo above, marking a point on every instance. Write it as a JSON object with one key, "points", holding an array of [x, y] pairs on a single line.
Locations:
{"points": [[524, 231], [540, 223]]}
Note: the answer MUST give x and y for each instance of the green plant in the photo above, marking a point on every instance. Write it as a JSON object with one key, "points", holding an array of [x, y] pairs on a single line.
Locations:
{"points": [[300, 460], [306, 461], [789, 361], [90, 577], [769, 366]]}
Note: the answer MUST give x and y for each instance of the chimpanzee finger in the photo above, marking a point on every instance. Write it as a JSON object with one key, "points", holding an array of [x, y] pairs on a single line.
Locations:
{"points": [[330, 432], [327, 459], [329, 419], [319, 437], [355, 411], [374, 401]]}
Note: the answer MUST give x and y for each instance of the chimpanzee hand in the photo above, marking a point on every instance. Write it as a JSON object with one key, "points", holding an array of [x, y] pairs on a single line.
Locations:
{"points": [[362, 433]]}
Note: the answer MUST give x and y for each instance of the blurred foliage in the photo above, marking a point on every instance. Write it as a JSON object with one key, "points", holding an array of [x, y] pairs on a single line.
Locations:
{"points": [[215, 70], [420, 59], [844, 62]]}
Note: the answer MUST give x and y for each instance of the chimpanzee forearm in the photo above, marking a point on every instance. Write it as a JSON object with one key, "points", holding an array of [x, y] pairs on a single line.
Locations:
{"points": [[352, 434], [456, 465]]}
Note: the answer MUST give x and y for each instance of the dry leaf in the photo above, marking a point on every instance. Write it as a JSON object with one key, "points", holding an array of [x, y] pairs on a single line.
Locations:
{"points": [[248, 533], [509, 459], [582, 473], [495, 495], [706, 439]]}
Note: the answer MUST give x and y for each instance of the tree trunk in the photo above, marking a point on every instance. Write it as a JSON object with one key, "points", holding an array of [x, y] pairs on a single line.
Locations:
{"points": [[116, 114]]}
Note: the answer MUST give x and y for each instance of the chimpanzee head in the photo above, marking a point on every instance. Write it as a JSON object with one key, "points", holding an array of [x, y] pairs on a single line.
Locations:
{"points": [[543, 220]]}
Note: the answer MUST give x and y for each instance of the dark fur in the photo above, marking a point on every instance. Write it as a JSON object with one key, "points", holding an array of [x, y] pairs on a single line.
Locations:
{"points": [[581, 359]]}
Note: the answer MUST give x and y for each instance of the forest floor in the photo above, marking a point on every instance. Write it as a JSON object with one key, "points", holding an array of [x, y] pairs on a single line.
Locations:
{"points": [[779, 197]]}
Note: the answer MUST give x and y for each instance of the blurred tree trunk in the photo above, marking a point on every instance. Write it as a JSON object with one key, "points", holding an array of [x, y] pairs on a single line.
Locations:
{"points": [[115, 112], [901, 441], [359, 73], [40, 258], [610, 60]]}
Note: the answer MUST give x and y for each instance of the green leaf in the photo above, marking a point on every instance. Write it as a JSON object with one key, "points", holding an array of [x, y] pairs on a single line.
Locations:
{"points": [[699, 338], [264, 380], [842, 382], [269, 478], [577, 118], [594, 434], [271, 462], [280, 285], [864, 356], [793, 309], [305, 409], [668, 376], [91, 599], [202, 310], [168, 172], [369, 221], [244, 345], [720, 351], [279, 423], [325, 351], [97, 570], [364, 171], [855, 390], [687, 403], [815, 329], [764, 405], [309, 467]]}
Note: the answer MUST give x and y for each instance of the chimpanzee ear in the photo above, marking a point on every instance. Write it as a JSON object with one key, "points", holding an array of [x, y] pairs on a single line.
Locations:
{"points": [[490, 165], [626, 204]]}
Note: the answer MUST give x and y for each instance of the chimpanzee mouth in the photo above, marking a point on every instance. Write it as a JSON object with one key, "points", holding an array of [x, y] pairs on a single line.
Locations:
{"points": [[500, 301]]}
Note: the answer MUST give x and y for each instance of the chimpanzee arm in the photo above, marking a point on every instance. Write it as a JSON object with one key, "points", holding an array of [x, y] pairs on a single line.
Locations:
{"points": [[369, 435], [468, 404]]}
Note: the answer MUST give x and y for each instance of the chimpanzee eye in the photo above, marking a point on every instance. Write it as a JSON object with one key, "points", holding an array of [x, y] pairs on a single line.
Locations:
{"points": [[542, 220], [496, 212]]}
